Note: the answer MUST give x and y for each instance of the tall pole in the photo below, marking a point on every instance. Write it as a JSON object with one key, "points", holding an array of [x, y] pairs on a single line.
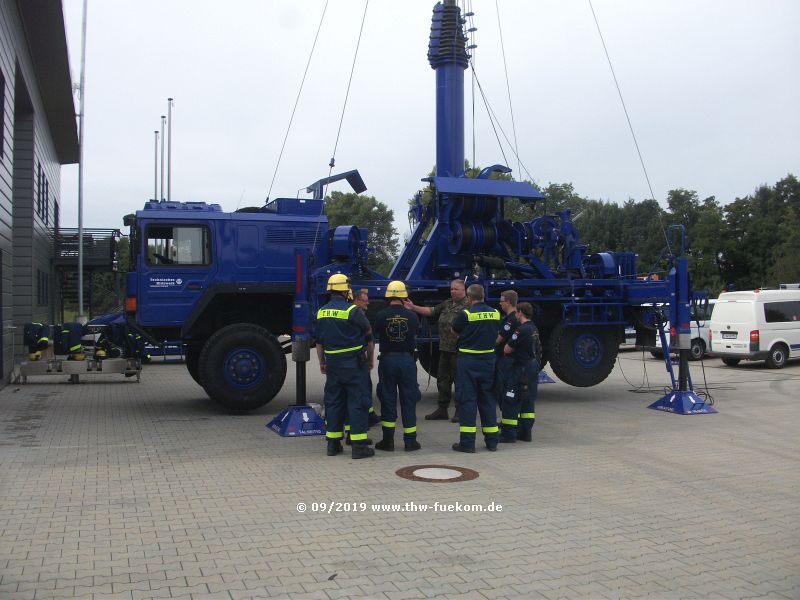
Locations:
{"points": [[169, 148], [163, 120], [80, 317], [155, 169]]}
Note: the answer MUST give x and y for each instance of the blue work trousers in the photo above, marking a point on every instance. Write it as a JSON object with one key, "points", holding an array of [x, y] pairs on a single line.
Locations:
{"points": [[346, 397], [502, 374], [397, 376], [474, 383], [519, 400]]}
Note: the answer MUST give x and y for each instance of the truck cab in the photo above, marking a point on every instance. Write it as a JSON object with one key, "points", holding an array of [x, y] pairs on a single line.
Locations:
{"points": [[224, 284]]}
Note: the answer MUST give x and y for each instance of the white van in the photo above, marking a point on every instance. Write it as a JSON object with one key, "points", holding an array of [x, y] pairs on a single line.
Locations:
{"points": [[700, 319], [757, 325]]}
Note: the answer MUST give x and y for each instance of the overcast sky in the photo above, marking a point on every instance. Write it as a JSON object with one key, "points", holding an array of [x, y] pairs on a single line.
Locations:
{"points": [[711, 88]]}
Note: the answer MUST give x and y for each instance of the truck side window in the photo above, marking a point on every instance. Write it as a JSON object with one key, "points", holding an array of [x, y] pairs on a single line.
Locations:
{"points": [[782, 312], [178, 245]]}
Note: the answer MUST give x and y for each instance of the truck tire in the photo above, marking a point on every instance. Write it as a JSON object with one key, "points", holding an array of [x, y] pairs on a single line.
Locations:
{"points": [[778, 355], [193, 361], [582, 356], [242, 366], [730, 362]]}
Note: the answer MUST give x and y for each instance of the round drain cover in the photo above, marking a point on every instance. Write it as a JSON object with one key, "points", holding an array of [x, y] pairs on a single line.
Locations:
{"points": [[437, 473]]}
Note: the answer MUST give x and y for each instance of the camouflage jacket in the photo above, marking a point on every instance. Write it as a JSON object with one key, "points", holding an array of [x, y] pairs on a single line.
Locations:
{"points": [[445, 313]]}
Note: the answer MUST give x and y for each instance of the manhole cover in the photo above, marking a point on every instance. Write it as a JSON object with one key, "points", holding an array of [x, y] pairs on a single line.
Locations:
{"points": [[437, 473]]}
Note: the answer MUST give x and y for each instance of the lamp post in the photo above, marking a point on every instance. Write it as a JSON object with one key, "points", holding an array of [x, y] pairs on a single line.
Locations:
{"points": [[169, 148], [163, 119], [80, 318], [155, 168]]}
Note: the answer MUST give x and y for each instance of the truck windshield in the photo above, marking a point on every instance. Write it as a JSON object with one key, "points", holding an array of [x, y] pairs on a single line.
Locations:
{"points": [[178, 245]]}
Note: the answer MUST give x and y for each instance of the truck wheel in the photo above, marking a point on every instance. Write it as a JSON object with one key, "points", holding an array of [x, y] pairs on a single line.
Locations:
{"points": [[582, 356], [731, 362], [697, 350], [659, 354], [193, 361], [777, 356], [243, 366]]}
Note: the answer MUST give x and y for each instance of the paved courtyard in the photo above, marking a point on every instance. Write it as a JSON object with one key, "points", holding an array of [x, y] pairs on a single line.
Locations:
{"points": [[113, 489]]}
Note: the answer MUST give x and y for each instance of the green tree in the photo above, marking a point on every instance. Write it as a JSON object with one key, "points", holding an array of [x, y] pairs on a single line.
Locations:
{"points": [[366, 211]]}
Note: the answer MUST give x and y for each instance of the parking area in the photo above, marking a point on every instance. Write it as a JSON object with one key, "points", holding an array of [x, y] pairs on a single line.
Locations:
{"points": [[117, 489]]}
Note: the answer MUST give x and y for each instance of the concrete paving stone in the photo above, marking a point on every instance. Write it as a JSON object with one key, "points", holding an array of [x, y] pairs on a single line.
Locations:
{"points": [[409, 594], [254, 594], [7, 589], [23, 586], [115, 596]]}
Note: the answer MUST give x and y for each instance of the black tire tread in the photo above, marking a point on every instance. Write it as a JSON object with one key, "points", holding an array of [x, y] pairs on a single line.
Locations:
{"points": [[562, 361], [213, 381]]}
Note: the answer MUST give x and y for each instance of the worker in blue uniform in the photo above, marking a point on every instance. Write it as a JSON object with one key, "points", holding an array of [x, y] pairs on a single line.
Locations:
{"points": [[508, 325], [519, 401], [341, 349], [361, 300], [396, 330], [477, 331]]}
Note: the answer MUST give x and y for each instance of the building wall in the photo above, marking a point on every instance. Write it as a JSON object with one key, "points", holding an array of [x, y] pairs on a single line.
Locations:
{"points": [[29, 192]]}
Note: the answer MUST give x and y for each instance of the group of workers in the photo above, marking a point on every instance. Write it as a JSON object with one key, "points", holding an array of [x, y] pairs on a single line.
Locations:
{"points": [[492, 358]]}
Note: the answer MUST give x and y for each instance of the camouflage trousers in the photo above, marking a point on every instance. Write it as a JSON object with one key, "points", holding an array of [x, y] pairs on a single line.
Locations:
{"points": [[445, 377]]}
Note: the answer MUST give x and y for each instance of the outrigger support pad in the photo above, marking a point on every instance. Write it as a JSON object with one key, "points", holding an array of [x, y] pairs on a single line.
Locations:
{"points": [[544, 377], [683, 402], [297, 421]]}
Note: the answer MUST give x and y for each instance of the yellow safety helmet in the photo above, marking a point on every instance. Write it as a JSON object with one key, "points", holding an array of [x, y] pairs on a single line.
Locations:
{"points": [[396, 289], [338, 282]]}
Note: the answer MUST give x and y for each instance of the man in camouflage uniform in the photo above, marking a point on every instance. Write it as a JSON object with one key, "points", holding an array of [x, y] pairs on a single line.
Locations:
{"points": [[445, 313]]}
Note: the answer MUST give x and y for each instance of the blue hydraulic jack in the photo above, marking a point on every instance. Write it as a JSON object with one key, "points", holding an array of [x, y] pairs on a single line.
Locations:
{"points": [[682, 399], [299, 419]]}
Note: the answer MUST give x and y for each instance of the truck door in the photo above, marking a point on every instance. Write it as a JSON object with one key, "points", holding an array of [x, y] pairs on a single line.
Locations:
{"points": [[176, 267]]}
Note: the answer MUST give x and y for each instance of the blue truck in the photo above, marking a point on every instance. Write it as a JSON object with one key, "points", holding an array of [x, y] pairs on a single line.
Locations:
{"points": [[240, 288]]}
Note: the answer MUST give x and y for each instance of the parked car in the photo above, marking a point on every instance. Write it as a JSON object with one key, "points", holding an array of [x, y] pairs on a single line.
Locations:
{"points": [[701, 319], [757, 325]]}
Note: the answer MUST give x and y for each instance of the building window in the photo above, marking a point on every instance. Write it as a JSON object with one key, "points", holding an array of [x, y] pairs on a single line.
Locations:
{"points": [[38, 188], [42, 287], [46, 201]]}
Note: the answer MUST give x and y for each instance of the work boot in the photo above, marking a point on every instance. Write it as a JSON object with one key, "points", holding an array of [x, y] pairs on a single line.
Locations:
{"points": [[459, 448], [412, 445], [373, 419], [387, 443], [525, 436], [491, 448], [508, 440], [361, 450], [454, 419], [347, 441], [334, 447], [440, 414]]}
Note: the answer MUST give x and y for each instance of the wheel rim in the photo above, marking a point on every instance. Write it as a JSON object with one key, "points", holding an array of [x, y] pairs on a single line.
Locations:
{"points": [[777, 356], [697, 351], [588, 350], [244, 368]]}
